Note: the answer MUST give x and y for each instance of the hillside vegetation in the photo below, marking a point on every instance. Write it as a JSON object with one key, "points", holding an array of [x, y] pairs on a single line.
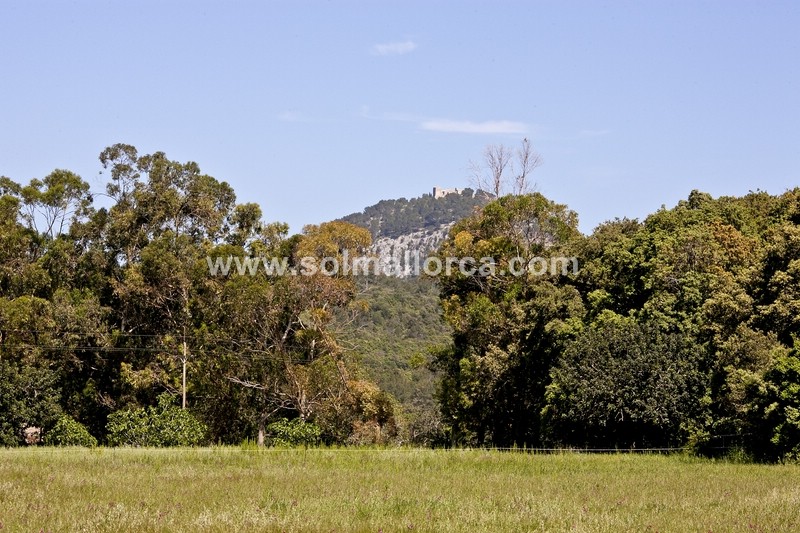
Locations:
{"points": [[393, 218], [392, 336]]}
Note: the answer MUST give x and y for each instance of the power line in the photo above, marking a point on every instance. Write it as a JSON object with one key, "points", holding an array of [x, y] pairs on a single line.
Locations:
{"points": [[259, 355], [91, 333]]}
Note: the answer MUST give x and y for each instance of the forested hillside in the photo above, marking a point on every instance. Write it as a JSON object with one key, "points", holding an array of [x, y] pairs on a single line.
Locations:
{"points": [[392, 337], [393, 218], [393, 334], [402, 319]]}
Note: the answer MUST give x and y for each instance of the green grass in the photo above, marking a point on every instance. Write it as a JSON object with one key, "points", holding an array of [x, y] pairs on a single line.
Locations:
{"points": [[233, 489]]}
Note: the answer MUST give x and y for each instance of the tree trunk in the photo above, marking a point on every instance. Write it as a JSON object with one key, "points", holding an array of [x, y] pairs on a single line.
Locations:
{"points": [[183, 387], [261, 432]]}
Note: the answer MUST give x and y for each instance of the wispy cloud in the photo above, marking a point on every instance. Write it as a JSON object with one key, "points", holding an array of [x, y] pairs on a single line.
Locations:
{"points": [[468, 126], [444, 125], [394, 49]]}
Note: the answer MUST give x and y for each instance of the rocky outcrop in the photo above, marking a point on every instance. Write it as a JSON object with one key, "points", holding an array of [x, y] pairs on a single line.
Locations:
{"points": [[405, 255]]}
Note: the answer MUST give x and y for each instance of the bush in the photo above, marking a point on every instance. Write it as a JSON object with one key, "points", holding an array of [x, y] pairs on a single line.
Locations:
{"points": [[293, 433], [622, 383], [130, 427], [69, 432], [29, 398], [772, 403], [162, 425]]}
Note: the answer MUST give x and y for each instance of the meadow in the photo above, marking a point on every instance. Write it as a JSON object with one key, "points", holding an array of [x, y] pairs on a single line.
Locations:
{"points": [[240, 489]]}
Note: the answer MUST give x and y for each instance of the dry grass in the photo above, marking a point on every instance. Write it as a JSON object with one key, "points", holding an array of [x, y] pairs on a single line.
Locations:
{"points": [[231, 489]]}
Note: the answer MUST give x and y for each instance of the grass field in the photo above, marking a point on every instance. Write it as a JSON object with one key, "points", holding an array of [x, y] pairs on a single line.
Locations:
{"points": [[231, 489]]}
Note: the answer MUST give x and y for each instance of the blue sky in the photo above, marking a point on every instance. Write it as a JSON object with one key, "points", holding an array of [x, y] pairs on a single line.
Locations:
{"points": [[318, 109]]}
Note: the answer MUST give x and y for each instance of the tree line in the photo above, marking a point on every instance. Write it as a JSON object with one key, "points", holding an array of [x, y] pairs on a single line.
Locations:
{"points": [[111, 326], [678, 331], [393, 218]]}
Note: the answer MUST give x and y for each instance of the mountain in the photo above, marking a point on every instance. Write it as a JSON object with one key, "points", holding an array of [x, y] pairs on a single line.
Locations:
{"points": [[394, 218], [392, 336], [403, 318], [405, 231]]}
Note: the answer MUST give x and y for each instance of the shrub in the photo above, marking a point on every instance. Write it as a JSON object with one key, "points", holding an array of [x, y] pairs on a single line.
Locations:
{"points": [[69, 432], [623, 383], [130, 427], [162, 425], [29, 398], [772, 403], [295, 432]]}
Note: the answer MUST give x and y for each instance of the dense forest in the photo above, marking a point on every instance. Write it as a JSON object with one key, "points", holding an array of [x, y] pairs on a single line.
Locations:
{"points": [[678, 331], [674, 332], [110, 319]]}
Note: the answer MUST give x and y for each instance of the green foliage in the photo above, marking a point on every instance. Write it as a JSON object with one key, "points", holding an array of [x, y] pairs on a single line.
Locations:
{"points": [[131, 427], [507, 329], [29, 397], [102, 307], [113, 304], [391, 336], [69, 432], [626, 384], [392, 218], [772, 407], [296, 432], [674, 331], [161, 425]]}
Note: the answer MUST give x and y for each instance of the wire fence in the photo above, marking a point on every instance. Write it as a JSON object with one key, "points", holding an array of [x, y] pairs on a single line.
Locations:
{"points": [[250, 447]]}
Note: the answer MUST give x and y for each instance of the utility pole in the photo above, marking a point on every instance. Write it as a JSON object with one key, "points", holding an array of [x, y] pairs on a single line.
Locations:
{"points": [[183, 360]]}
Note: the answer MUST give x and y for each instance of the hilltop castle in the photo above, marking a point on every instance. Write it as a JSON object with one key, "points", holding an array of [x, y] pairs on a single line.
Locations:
{"points": [[439, 192]]}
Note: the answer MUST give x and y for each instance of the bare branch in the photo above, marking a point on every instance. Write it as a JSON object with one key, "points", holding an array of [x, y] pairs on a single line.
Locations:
{"points": [[245, 383], [497, 159], [527, 161], [477, 177]]}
